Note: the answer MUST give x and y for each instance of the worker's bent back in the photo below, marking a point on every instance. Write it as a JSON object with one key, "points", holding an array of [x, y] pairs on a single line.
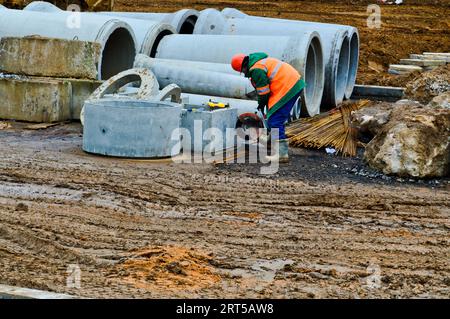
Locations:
{"points": [[283, 77]]}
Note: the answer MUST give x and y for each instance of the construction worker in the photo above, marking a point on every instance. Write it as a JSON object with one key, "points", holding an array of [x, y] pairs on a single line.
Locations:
{"points": [[278, 86]]}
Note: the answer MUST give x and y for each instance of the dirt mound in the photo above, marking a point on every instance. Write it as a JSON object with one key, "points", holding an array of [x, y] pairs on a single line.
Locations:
{"points": [[167, 267], [398, 80], [429, 84]]}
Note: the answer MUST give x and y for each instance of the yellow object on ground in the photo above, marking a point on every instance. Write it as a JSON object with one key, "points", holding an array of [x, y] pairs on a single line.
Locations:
{"points": [[217, 105], [330, 129]]}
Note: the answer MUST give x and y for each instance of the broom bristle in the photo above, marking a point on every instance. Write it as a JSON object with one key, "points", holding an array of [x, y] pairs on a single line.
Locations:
{"points": [[330, 129]]}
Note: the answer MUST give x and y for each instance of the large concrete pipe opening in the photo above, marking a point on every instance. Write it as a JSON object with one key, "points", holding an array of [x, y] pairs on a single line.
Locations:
{"points": [[153, 36], [183, 20], [156, 42], [353, 67], [314, 78], [118, 53]]}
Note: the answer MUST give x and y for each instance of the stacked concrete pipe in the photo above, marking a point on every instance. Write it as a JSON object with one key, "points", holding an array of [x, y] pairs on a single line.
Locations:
{"points": [[116, 37], [183, 20], [335, 46], [303, 52], [326, 31], [197, 81], [206, 66], [147, 32]]}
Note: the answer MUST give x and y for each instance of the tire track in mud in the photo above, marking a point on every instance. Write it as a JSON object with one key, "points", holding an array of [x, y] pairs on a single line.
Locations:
{"points": [[268, 237]]}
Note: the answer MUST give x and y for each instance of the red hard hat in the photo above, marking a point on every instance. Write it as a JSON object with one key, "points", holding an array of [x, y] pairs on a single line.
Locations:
{"points": [[236, 61]]}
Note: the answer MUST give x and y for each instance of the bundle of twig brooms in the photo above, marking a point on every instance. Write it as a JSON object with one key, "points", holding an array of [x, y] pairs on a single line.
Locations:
{"points": [[330, 129]]}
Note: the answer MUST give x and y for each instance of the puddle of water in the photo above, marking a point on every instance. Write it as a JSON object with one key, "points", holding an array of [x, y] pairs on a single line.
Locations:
{"points": [[262, 269], [33, 191]]}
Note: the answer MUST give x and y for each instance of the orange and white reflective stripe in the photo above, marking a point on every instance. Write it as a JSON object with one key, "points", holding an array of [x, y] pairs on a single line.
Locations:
{"points": [[262, 66], [263, 90]]}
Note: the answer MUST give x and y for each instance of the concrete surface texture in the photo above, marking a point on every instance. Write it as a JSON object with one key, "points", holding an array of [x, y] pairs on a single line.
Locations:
{"points": [[197, 81], [38, 56], [131, 128], [146, 31], [208, 129], [35, 100], [142, 59], [183, 20], [148, 84]]}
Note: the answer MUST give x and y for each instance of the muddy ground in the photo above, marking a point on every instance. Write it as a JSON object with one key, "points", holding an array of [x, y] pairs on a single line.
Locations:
{"points": [[415, 27], [322, 227]]}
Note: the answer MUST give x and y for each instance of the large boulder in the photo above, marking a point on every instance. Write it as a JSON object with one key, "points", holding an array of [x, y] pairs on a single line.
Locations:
{"points": [[415, 142]]}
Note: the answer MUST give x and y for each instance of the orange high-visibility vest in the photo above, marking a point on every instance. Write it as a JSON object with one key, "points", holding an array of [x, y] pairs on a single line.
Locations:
{"points": [[282, 77]]}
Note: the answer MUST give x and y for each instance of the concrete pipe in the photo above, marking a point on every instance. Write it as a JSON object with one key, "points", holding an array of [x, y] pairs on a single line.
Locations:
{"points": [[352, 36], [148, 86], [183, 21], [116, 37], [131, 128], [141, 59], [148, 33], [192, 80], [303, 52], [335, 46]]}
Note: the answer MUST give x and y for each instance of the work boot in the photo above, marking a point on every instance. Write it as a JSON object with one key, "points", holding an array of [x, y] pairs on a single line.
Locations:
{"points": [[281, 152]]}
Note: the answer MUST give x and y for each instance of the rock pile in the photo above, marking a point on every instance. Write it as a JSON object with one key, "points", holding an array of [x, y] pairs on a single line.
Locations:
{"points": [[415, 142]]}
